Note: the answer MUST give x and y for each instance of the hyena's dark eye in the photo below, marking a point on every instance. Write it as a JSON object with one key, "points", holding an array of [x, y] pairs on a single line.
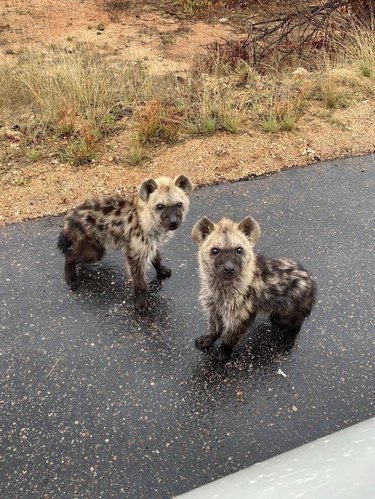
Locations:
{"points": [[179, 205], [239, 250], [215, 251], [159, 206]]}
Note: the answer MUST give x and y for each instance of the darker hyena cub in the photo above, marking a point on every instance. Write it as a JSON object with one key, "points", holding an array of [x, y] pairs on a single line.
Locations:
{"points": [[238, 283], [139, 225]]}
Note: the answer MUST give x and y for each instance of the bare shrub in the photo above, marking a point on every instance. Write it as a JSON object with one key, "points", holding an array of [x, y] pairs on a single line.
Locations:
{"points": [[299, 30]]}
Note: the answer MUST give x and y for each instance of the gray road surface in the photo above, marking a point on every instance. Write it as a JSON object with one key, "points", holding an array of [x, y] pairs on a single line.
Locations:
{"points": [[98, 402]]}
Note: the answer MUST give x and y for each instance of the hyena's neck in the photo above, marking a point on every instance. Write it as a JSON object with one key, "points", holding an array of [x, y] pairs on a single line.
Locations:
{"points": [[219, 287]]}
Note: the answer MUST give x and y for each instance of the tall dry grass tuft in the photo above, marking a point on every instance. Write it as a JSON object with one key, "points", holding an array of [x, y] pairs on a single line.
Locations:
{"points": [[281, 104], [358, 48], [157, 121], [63, 88], [214, 104]]}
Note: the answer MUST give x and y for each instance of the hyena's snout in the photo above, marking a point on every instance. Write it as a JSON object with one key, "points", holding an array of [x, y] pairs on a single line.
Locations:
{"points": [[227, 266], [171, 218], [173, 223]]}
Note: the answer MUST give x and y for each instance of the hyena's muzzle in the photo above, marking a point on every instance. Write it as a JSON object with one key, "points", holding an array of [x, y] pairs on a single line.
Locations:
{"points": [[171, 217], [227, 263]]}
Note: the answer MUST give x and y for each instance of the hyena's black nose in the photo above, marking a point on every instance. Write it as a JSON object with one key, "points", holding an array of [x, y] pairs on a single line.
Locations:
{"points": [[228, 268], [173, 223]]}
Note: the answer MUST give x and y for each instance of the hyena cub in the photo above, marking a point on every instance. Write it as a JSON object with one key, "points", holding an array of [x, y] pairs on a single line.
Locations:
{"points": [[237, 284], [138, 225]]}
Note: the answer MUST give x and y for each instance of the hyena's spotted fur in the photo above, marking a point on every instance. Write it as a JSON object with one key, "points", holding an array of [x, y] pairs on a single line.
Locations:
{"points": [[138, 225], [237, 284]]}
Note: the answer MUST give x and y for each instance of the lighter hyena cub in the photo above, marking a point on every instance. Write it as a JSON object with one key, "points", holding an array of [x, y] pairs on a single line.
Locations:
{"points": [[238, 283], [139, 225]]}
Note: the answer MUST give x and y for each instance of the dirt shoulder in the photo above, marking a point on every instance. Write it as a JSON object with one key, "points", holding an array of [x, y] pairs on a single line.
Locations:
{"points": [[49, 189]]}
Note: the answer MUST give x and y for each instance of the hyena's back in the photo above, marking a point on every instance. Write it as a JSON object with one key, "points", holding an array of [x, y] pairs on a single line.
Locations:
{"points": [[92, 227], [99, 222], [286, 286]]}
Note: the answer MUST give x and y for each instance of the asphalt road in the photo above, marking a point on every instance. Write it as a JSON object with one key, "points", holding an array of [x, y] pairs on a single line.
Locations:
{"points": [[98, 402]]}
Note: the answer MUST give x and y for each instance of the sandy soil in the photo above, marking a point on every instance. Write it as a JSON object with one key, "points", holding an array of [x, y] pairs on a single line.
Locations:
{"points": [[40, 189], [133, 35]]}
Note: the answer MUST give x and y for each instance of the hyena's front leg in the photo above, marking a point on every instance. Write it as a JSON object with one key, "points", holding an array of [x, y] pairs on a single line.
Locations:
{"points": [[137, 267], [231, 337], [207, 340], [161, 271]]}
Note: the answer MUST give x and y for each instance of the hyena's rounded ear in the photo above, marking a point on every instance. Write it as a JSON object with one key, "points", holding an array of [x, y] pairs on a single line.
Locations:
{"points": [[185, 184], [147, 187], [201, 230], [250, 228]]}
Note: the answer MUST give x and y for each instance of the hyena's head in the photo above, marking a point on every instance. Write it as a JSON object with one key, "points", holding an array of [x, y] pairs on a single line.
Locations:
{"points": [[167, 200], [226, 249]]}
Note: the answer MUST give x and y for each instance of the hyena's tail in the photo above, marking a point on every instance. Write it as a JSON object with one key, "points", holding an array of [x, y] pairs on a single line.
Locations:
{"points": [[63, 242]]}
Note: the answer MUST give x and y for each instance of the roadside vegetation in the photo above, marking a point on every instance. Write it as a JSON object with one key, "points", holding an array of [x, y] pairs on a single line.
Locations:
{"points": [[65, 104]]}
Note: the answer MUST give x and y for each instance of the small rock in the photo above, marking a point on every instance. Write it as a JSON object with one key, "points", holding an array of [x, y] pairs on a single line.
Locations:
{"points": [[182, 77], [240, 395], [308, 151], [301, 73], [13, 135], [100, 27], [223, 20]]}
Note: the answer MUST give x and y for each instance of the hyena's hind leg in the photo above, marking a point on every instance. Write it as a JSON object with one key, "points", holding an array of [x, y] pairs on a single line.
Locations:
{"points": [[87, 252], [288, 322], [291, 319]]}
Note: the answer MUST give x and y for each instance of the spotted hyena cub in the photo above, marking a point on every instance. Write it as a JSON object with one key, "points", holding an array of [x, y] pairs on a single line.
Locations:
{"points": [[138, 225], [238, 283]]}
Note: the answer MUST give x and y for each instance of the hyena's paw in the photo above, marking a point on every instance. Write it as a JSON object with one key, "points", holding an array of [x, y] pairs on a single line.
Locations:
{"points": [[164, 272], [140, 302], [204, 342], [289, 339], [72, 282], [74, 285], [224, 353]]}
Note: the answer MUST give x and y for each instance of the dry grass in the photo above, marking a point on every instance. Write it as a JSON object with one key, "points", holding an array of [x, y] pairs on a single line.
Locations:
{"points": [[137, 153], [72, 100], [190, 7], [62, 91], [359, 49], [213, 106], [329, 92], [287, 100], [157, 122], [82, 150]]}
